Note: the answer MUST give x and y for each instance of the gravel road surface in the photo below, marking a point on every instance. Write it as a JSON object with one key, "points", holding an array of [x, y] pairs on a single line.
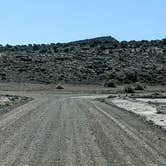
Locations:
{"points": [[66, 130]]}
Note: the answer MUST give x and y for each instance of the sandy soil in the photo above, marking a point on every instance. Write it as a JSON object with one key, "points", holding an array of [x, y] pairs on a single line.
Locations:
{"points": [[71, 130], [51, 88], [143, 108], [159, 101]]}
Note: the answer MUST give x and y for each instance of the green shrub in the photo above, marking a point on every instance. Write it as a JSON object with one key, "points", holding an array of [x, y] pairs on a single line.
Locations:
{"points": [[129, 89], [110, 84], [139, 86]]}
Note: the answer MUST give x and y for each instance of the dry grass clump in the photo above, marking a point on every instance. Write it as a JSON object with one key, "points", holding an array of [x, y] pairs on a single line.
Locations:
{"points": [[139, 86], [59, 87], [161, 109], [129, 89], [110, 84]]}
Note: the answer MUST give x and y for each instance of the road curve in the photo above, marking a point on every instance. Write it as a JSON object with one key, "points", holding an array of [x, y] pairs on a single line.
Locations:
{"points": [[63, 130]]}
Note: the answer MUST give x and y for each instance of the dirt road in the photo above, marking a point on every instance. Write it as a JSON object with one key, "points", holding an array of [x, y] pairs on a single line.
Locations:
{"points": [[61, 130]]}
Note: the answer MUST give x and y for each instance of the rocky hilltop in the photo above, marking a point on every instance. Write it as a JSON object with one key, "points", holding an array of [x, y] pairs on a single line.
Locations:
{"points": [[92, 61]]}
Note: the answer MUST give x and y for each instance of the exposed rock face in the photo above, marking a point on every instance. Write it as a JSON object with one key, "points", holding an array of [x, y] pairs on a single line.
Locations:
{"points": [[89, 61]]}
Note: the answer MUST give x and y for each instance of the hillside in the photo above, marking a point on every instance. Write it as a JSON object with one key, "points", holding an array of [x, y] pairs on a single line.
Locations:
{"points": [[92, 61]]}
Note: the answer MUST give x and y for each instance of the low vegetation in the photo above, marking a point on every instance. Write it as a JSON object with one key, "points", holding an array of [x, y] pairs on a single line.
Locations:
{"points": [[139, 86], [110, 84], [8, 102], [92, 61], [129, 89]]}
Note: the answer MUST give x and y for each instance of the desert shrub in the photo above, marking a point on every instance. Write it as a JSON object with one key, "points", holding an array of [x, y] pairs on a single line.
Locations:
{"points": [[129, 89], [110, 84], [59, 87], [156, 95], [161, 109], [139, 86], [66, 50], [111, 96], [130, 75], [102, 47]]}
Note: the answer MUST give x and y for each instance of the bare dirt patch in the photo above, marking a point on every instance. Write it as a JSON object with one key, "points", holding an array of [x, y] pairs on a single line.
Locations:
{"points": [[153, 110], [75, 129]]}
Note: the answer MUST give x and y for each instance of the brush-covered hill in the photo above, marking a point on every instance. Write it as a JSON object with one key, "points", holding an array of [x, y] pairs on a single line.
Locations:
{"points": [[91, 61]]}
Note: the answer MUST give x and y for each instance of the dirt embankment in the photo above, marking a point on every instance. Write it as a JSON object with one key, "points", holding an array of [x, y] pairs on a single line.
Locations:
{"points": [[9, 102]]}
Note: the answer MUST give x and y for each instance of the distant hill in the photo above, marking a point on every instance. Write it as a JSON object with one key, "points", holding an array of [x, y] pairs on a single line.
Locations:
{"points": [[91, 61], [97, 40]]}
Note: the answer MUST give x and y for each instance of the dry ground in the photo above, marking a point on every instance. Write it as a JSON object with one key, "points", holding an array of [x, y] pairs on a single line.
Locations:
{"points": [[69, 130]]}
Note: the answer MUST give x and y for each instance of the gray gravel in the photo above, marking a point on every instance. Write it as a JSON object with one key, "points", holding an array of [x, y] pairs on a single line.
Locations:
{"points": [[59, 130]]}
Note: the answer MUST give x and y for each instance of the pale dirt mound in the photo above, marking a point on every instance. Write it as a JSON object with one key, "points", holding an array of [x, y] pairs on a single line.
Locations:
{"points": [[142, 108]]}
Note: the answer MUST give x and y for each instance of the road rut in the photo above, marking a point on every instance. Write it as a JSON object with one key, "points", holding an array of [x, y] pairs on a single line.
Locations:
{"points": [[65, 130]]}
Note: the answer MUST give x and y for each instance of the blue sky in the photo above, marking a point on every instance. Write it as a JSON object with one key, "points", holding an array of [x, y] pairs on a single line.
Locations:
{"points": [[51, 21]]}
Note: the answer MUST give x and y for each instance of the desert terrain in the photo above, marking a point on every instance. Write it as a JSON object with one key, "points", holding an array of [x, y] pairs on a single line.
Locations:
{"points": [[72, 127]]}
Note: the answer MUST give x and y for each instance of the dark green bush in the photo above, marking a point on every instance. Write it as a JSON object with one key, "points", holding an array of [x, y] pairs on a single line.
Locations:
{"points": [[110, 84], [139, 86], [129, 89]]}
